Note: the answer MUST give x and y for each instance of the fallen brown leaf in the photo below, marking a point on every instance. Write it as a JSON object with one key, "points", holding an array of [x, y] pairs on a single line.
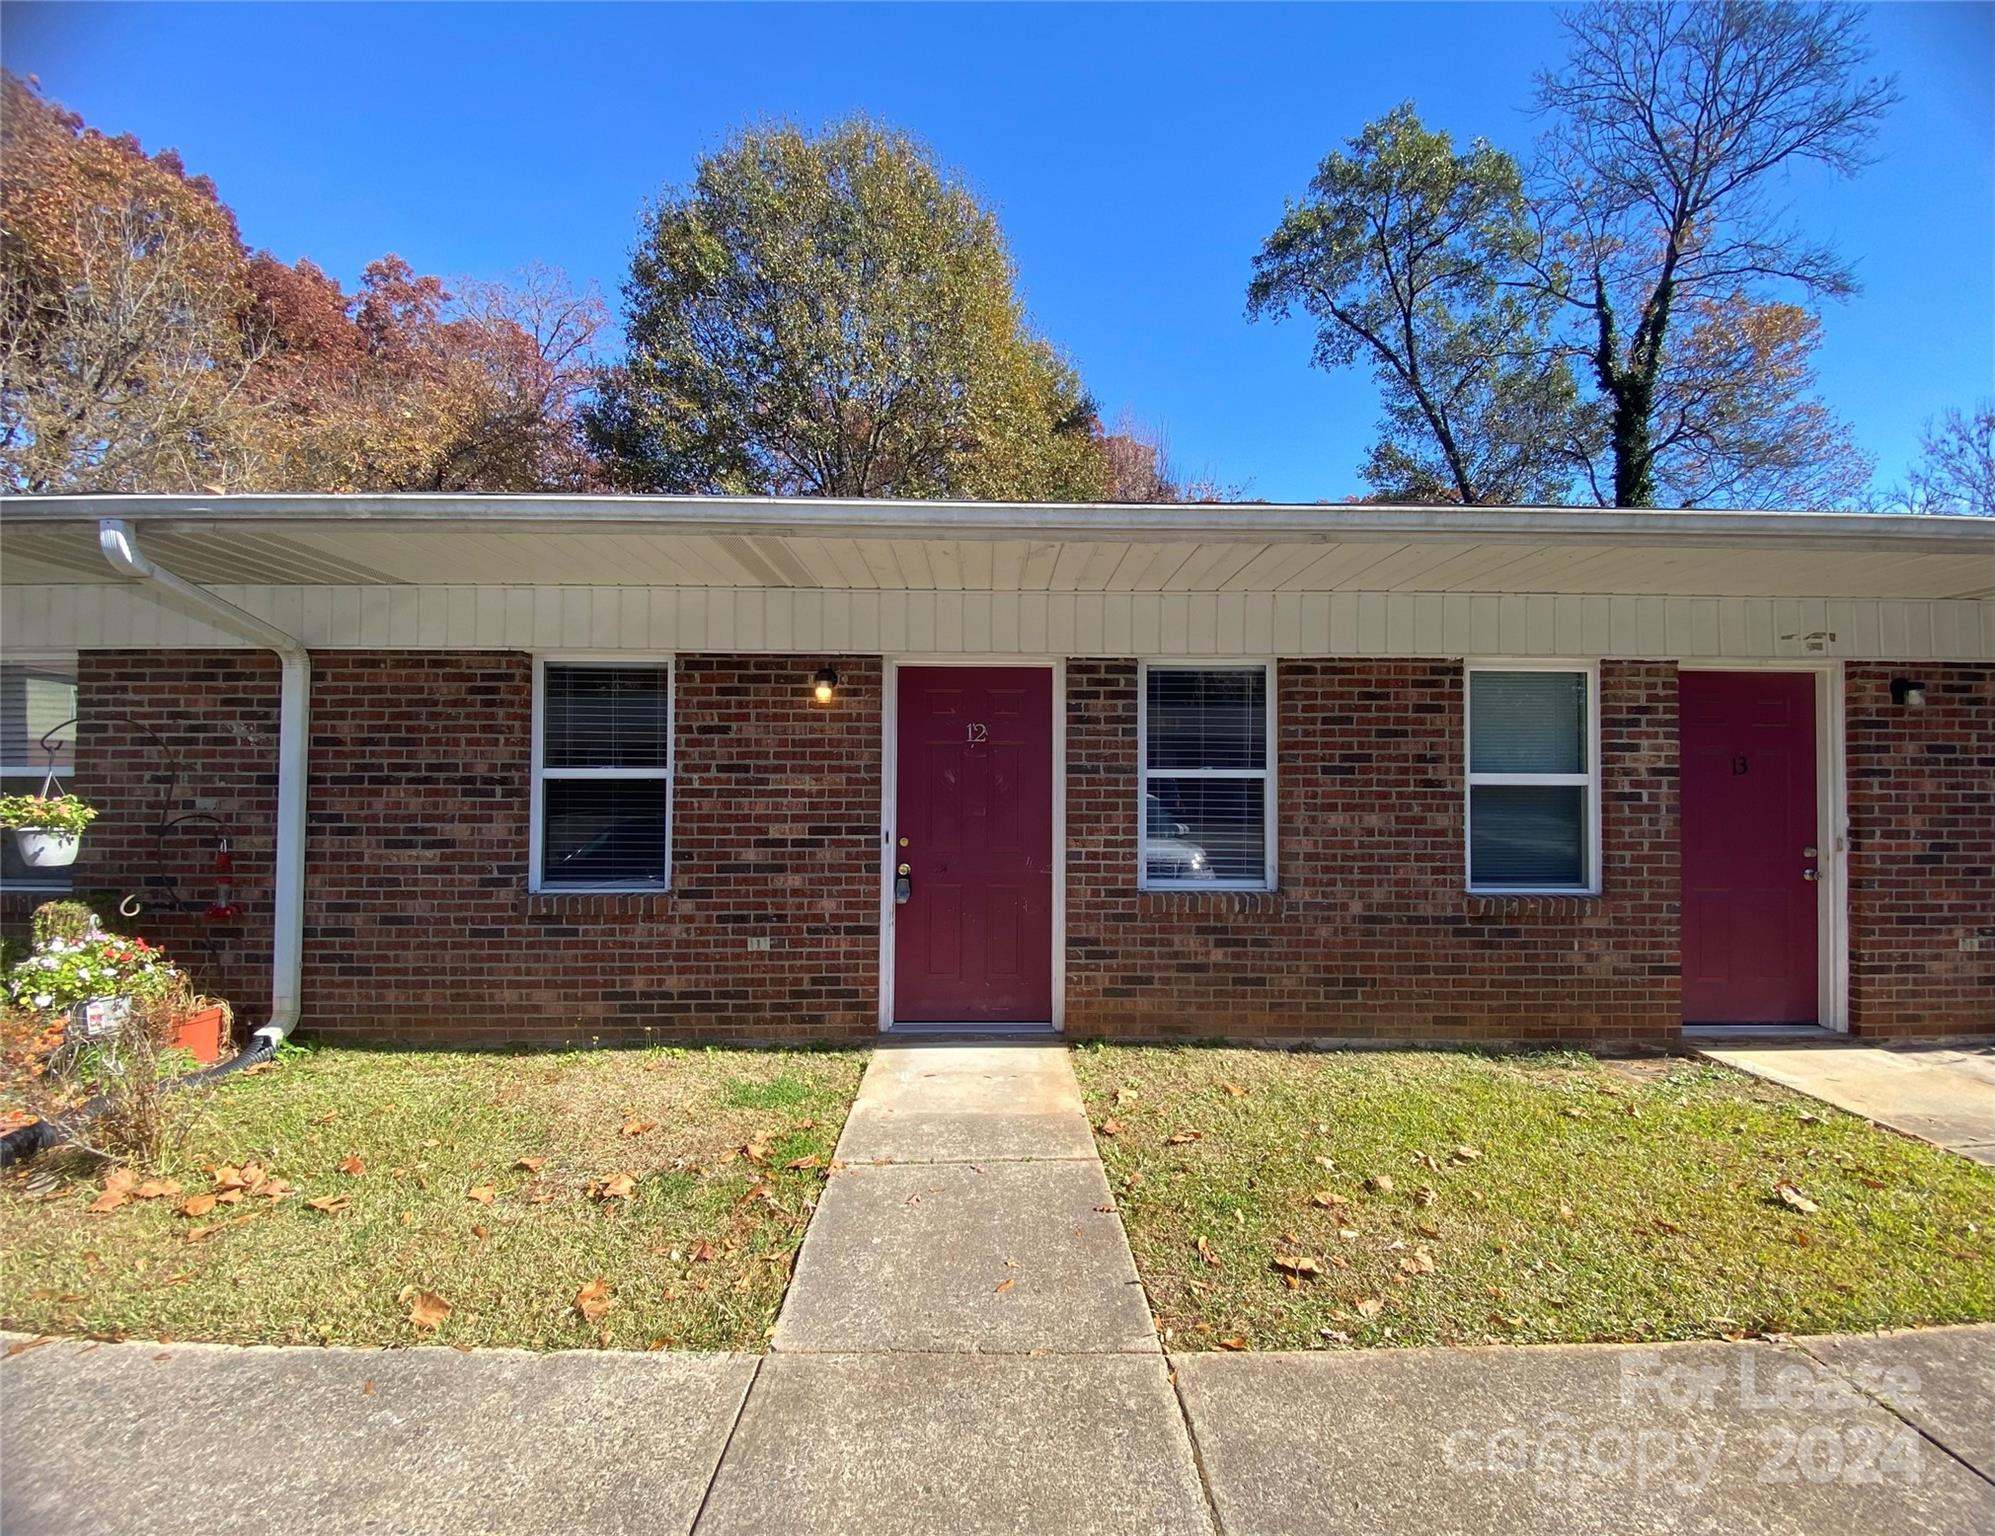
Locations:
{"points": [[1297, 1264], [1233, 1090], [484, 1194], [330, 1203], [426, 1308], [593, 1300], [156, 1189], [1793, 1199], [637, 1127], [197, 1205], [1329, 1199], [1181, 1138], [1205, 1251], [352, 1166], [1002, 1286], [1110, 1127], [531, 1164]]}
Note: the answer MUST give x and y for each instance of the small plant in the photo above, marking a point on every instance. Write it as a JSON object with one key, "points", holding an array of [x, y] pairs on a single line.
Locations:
{"points": [[46, 813]]}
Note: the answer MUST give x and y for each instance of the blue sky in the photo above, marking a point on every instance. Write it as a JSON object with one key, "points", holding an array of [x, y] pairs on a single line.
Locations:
{"points": [[1137, 156]]}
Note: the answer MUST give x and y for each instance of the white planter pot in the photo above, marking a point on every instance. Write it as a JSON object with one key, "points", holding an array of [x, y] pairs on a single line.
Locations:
{"points": [[46, 850]]}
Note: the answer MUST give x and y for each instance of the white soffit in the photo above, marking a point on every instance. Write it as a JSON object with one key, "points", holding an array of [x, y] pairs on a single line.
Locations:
{"points": [[692, 542]]}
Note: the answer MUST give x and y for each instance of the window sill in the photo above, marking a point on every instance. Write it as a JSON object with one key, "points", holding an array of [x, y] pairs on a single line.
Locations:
{"points": [[1206, 887], [1488, 891], [599, 890]]}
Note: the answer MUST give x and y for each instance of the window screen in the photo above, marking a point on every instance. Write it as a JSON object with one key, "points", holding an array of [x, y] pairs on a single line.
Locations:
{"points": [[35, 698], [1206, 777], [604, 776], [1530, 781]]}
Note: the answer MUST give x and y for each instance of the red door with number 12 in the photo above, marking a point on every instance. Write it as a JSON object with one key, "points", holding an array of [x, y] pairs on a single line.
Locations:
{"points": [[973, 926]]}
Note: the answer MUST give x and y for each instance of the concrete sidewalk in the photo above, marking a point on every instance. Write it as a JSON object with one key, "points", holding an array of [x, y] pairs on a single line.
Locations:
{"points": [[1780, 1440], [1941, 1094], [965, 1349]]}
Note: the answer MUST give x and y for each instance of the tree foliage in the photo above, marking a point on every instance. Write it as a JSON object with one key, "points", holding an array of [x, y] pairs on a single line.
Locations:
{"points": [[1670, 129], [407, 386], [122, 359], [1955, 470], [143, 348], [835, 315], [1402, 254]]}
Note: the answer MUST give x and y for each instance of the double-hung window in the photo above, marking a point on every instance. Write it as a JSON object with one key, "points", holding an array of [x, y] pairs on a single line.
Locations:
{"points": [[35, 698], [602, 775], [1533, 780], [1207, 778]]}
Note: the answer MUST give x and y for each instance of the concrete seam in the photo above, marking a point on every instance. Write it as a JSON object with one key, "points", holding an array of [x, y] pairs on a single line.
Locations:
{"points": [[726, 1445], [1917, 1429], [1197, 1451]]}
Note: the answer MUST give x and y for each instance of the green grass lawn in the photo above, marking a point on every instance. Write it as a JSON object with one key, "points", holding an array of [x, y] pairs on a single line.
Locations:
{"points": [[696, 1256], [1449, 1198]]}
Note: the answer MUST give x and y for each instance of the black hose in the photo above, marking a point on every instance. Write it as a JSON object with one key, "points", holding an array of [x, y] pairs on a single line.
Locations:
{"points": [[25, 1141]]}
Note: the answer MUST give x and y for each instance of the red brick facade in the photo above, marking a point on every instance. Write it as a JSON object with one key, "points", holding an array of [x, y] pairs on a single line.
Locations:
{"points": [[1922, 856], [419, 926], [1371, 934]]}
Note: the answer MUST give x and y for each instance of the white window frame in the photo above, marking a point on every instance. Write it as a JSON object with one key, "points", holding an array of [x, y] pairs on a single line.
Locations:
{"points": [[1266, 774], [1590, 885], [57, 884], [541, 773]]}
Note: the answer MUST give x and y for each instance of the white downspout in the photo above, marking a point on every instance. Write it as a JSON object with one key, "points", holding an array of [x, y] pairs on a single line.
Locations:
{"points": [[119, 543]]}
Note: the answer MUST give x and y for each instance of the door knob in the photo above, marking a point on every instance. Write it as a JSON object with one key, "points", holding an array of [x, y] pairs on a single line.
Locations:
{"points": [[1811, 874], [903, 886]]}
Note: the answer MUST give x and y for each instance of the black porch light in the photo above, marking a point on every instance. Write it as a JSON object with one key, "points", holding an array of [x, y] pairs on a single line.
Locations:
{"points": [[1908, 692], [825, 686]]}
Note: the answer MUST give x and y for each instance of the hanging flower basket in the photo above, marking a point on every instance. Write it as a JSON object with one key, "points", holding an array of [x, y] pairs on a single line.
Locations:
{"points": [[46, 850], [47, 828]]}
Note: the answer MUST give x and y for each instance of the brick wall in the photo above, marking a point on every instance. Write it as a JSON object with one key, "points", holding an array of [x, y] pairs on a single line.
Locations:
{"points": [[1370, 934], [175, 748], [420, 925], [1922, 854]]}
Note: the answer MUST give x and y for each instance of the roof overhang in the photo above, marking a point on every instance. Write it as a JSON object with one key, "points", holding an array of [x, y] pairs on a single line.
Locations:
{"points": [[766, 542]]}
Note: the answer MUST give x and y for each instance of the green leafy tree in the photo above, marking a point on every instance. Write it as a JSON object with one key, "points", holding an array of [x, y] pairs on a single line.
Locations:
{"points": [[1672, 126], [1409, 255], [835, 315]]}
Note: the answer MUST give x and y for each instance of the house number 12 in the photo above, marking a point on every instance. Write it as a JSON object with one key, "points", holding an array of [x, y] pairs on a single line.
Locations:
{"points": [[975, 732]]}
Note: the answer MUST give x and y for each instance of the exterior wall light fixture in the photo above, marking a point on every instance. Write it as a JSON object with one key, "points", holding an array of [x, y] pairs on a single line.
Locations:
{"points": [[1907, 692], [825, 687]]}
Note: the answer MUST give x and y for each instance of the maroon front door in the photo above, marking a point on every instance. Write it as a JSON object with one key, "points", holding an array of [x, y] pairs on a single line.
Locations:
{"points": [[973, 940], [1750, 841]]}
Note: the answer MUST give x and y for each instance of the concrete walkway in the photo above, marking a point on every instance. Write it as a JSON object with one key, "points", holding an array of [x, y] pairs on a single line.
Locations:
{"points": [[1940, 1094], [965, 1349]]}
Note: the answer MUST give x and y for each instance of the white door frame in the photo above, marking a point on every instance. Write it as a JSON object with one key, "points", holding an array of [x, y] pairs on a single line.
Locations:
{"points": [[1832, 825], [889, 809]]}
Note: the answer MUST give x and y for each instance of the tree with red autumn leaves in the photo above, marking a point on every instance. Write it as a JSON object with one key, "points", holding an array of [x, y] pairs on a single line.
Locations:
{"points": [[143, 347]]}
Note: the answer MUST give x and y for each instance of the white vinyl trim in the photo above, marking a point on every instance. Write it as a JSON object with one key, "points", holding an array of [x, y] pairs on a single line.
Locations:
{"points": [[1832, 825], [890, 810], [1266, 775], [1590, 886], [540, 774]]}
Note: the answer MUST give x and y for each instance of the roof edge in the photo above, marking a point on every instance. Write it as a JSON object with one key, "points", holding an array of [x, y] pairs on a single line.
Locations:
{"points": [[1199, 521]]}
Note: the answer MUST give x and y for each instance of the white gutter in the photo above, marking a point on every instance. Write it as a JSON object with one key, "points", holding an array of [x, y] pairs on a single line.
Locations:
{"points": [[1259, 522], [119, 543]]}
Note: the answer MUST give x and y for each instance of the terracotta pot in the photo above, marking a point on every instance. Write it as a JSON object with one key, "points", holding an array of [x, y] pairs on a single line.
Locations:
{"points": [[204, 1032], [42, 849]]}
